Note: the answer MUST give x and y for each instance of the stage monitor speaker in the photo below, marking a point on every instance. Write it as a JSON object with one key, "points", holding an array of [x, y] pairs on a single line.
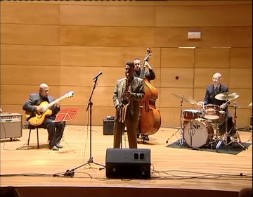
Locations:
{"points": [[128, 163]]}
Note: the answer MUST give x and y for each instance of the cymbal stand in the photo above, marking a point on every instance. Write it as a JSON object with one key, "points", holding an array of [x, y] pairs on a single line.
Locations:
{"points": [[224, 137], [180, 129], [236, 137]]}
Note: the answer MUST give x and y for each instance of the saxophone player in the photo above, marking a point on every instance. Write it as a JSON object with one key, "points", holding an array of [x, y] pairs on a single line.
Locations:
{"points": [[126, 99]]}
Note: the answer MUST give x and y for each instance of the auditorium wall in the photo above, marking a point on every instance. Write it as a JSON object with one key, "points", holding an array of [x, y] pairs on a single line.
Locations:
{"points": [[66, 43]]}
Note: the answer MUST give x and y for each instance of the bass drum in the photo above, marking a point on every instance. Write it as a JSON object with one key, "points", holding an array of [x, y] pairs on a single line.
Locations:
{"points": [[197, 134]]}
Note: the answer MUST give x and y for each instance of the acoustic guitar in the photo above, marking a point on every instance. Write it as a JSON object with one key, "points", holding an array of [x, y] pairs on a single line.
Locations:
{"points": [[36, 119]]}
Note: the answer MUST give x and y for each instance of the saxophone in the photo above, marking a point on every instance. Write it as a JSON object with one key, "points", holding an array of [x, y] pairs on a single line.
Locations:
{"points": [[124, 103]]}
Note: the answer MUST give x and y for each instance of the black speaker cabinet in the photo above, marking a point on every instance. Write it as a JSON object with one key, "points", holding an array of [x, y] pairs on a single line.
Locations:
{"points": [[10, 125], [108, 126], [128, 163]]}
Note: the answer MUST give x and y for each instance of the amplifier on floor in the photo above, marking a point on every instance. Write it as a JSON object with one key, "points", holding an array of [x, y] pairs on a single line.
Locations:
{"points": [[10, 125], [128, 163], [108, 125]]}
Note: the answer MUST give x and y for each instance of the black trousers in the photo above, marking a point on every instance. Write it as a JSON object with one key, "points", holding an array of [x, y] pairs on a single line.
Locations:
{"points": [[227, 126], [55, 131]]}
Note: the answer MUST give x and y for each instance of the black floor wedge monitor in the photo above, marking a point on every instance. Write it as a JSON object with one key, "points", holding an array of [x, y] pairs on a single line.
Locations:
{"points": [[128, 163]]}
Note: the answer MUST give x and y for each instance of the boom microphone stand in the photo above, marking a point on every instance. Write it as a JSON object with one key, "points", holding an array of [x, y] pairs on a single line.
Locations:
{"points": [[89, 107]]}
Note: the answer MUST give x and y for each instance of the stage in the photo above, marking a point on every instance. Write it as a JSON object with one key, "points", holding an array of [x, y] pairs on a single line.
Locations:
{"points": [[175, 170]]}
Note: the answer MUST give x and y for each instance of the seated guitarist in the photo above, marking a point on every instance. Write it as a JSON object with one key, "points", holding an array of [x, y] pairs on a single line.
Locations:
{"points": [[36, 106]]}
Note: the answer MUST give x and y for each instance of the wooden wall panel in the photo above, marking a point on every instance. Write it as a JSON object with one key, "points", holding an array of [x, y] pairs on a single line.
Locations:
{"points": [[115, 15], [203, 76], [30, 55], [240, 78], [27, 75], [210, 37], [104, 56], [30, 34], [203, 15], [107, 36], [83, 76], [241, 57], [29, 13], [176, 57], [199, 94], [177, 77], [212, 58]]}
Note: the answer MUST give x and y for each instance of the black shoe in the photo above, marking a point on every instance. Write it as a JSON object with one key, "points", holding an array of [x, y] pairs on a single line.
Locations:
{"points": [[145, 137], [59, 146], [55, 148]]}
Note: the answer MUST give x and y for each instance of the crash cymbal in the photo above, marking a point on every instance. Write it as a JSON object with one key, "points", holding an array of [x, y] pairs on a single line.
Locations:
{"points": [[226, 96], [192, 101], [183, 98]]}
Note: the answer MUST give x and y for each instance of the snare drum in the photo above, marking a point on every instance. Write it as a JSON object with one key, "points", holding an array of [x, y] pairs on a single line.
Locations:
{"points": [[211, 112], [190, 114], [197, 134]]}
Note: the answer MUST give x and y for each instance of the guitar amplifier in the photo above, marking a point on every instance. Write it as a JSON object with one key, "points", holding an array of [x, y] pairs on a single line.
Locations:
{"points": [[10, 125], [108, 124]]}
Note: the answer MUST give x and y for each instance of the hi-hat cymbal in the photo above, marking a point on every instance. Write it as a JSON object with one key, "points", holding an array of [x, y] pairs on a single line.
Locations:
{"points": [[226, 96]]}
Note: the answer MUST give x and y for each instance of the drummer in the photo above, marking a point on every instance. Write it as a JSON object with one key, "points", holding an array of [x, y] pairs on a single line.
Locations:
{"points": [[211, 91]]}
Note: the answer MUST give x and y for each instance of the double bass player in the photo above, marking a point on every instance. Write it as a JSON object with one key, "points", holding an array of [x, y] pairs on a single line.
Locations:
{"points": [[146, 72]]}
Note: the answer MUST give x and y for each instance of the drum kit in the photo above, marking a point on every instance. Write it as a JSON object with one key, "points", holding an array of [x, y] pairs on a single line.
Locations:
{"points": [[200, 127]]}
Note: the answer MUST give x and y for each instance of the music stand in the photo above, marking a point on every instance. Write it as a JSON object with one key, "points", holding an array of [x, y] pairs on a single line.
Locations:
{"points": [[66, 115]]}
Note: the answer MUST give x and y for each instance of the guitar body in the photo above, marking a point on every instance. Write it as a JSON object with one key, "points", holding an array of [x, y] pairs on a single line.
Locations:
{"points": [[38, 119]]}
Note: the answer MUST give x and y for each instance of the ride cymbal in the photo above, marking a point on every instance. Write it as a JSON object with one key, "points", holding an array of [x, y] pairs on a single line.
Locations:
{"points": [[226, 96]]}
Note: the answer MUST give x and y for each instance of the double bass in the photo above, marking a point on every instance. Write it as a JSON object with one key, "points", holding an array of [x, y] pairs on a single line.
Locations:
{"points": [[150, 117]]}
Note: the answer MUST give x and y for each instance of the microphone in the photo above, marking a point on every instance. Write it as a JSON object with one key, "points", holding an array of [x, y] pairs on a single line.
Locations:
{"points": [[100, 73]]}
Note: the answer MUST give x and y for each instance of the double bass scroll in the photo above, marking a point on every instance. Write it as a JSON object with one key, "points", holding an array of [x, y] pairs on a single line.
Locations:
{"points": [[150, 118]]}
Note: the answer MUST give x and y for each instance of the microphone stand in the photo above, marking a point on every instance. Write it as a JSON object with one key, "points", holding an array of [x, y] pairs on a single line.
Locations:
{"points": [[89, 107]]}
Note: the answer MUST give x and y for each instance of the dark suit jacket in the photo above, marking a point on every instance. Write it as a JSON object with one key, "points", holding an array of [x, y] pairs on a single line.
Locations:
{"points": [[35, 99], [137, 93], [210, 95], [148, 73]]}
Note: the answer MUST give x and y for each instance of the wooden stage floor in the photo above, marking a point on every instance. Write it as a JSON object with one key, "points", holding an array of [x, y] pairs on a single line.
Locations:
{"points": [[176, 168]]}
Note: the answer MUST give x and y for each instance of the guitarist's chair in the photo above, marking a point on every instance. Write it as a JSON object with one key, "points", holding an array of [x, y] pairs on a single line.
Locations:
{"points": [[31, 128]]}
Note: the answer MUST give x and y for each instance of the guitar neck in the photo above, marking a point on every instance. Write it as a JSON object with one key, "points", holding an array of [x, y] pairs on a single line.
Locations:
{"points": [[55, 101]]}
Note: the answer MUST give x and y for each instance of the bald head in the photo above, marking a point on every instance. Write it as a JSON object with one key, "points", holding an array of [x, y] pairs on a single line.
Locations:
{"points": [[217, 75], [43, 90], [216, 78], [43, 85]]}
